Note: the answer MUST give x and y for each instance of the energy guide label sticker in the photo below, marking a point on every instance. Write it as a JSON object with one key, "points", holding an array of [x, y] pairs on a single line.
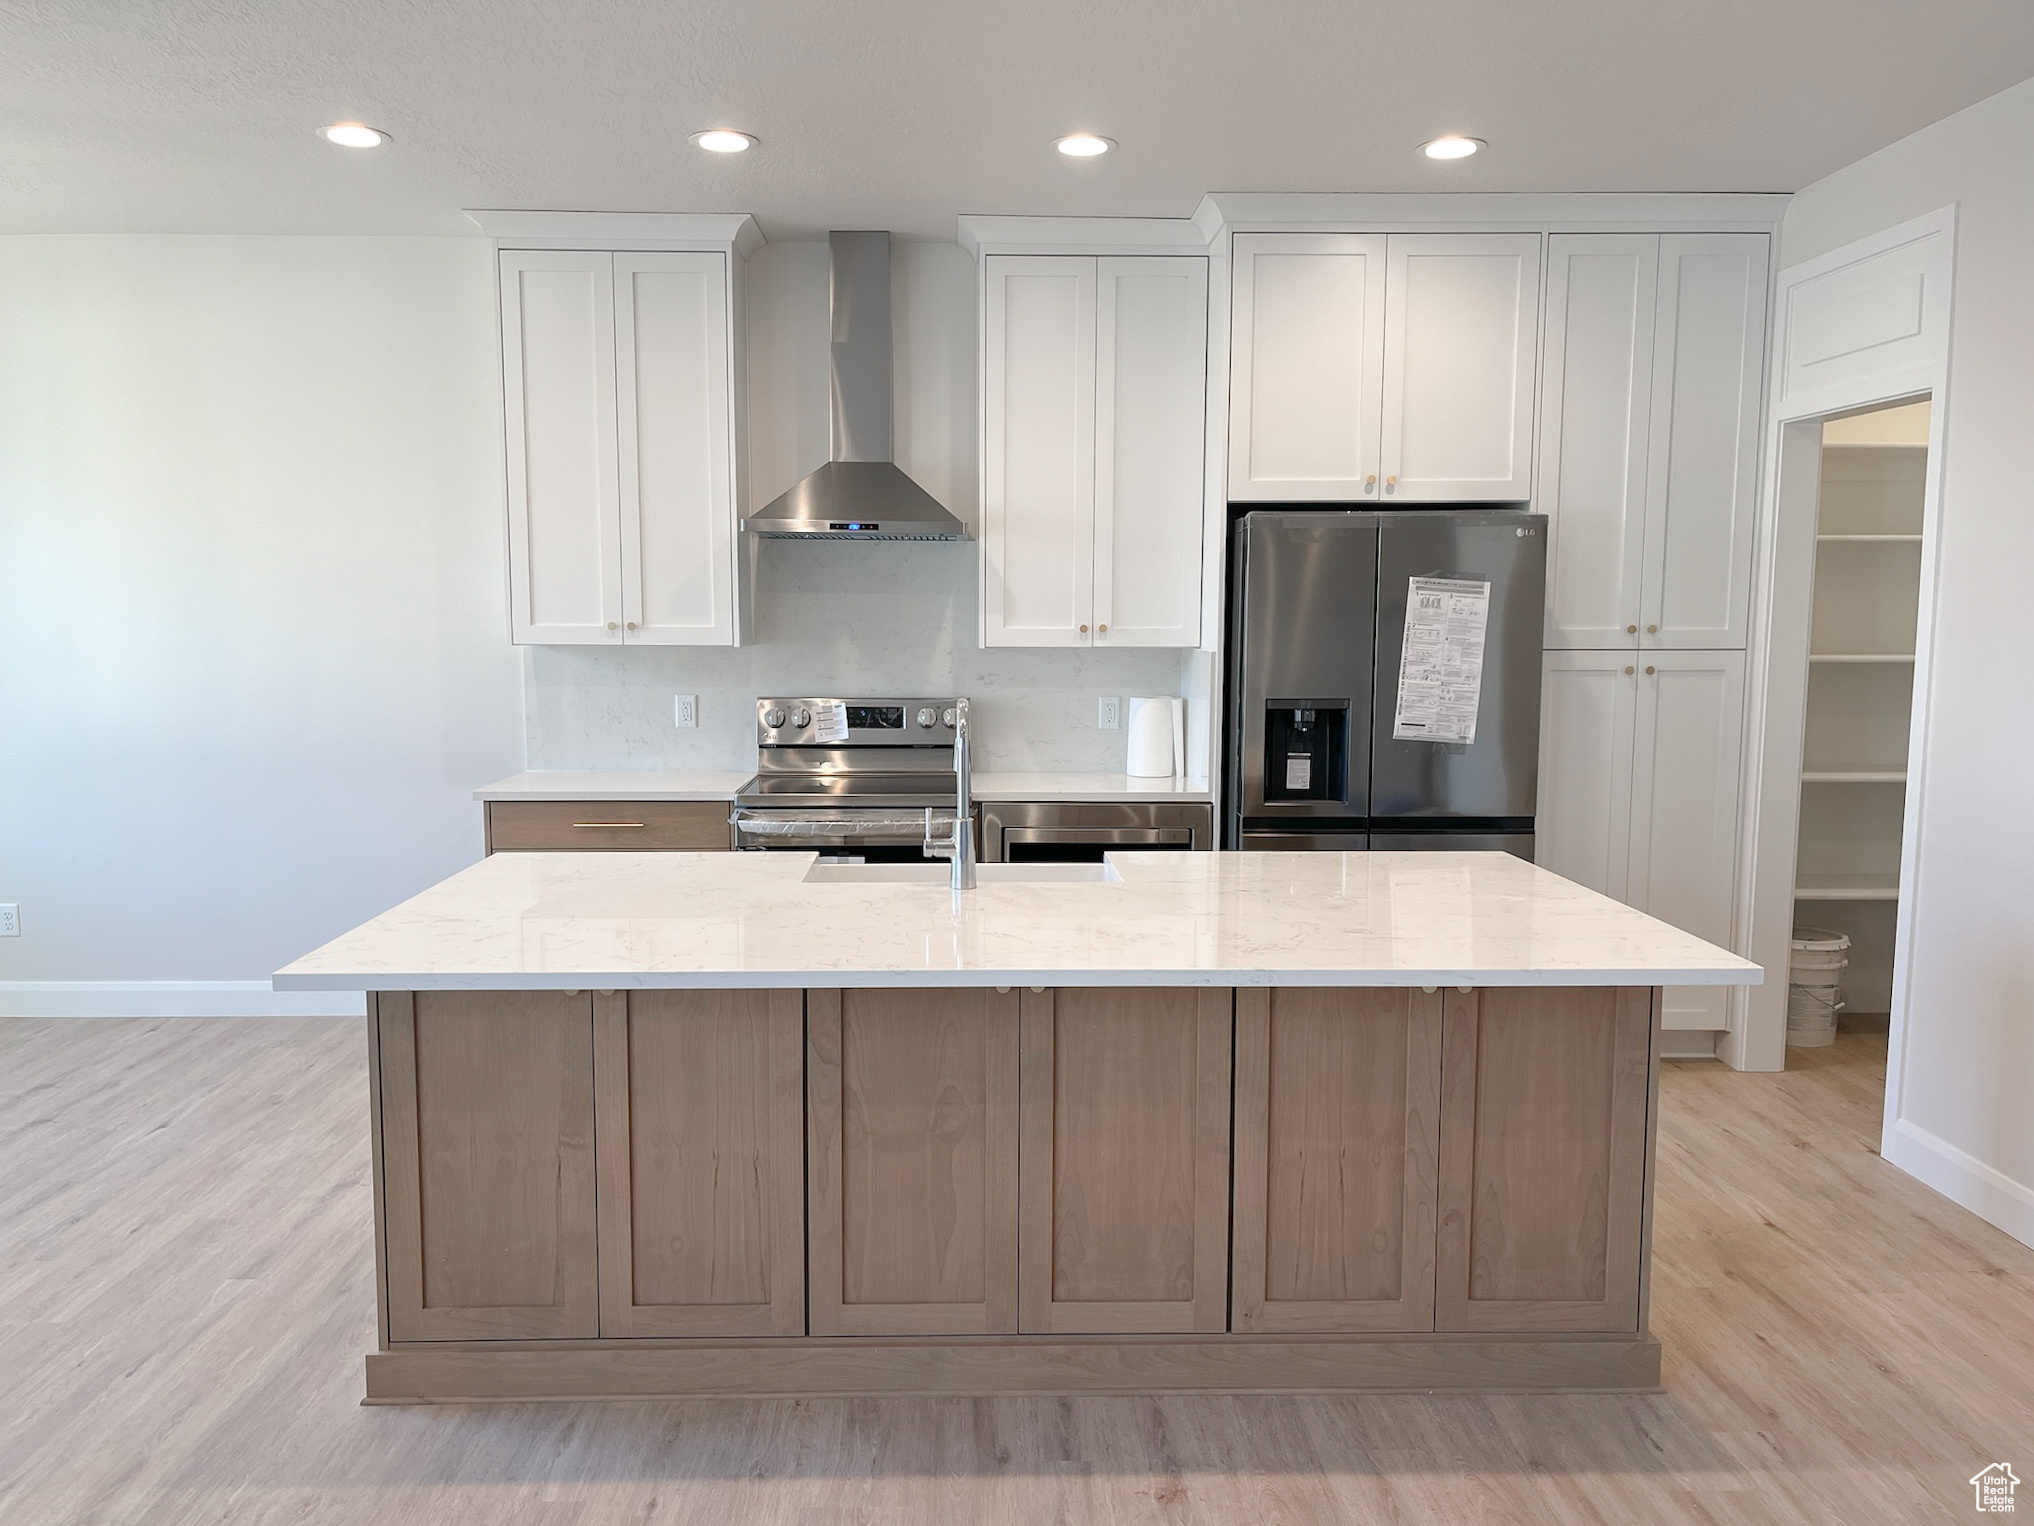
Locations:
{"points": [[829, 721], [1440, 673]]}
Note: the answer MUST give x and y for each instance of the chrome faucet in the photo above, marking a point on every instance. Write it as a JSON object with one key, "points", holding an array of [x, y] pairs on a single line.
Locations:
{"points": [[960, 847]]}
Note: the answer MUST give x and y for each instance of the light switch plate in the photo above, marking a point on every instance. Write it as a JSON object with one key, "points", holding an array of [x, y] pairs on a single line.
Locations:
{"points": [[1109, 714], [686, 709], [10, 919]]}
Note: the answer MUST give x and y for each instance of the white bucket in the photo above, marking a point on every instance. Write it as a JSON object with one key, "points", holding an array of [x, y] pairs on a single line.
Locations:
{"points": [[1816, 965]]}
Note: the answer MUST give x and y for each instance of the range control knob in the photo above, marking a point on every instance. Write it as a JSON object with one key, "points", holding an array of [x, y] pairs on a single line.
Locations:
{"points": [[773, 717], [801, 716], [946, 716], [927, 717]]}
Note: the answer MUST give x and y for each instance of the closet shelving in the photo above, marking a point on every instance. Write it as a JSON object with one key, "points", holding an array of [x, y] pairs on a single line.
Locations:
{"points": [[1860, 689]]}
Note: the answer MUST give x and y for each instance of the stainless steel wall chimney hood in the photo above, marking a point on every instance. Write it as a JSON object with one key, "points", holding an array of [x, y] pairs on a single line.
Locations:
{"points": [[860, 494]]}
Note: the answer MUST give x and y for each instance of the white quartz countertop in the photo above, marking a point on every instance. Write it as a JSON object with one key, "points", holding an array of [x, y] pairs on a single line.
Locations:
{"points": [[614, 785], [987, 785], [621, 920]]}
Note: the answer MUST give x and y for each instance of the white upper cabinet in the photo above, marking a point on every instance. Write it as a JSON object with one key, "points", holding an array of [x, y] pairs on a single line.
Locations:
{"points": [[618, 385], [1093, 450], [1649, 437], [1595, 410], [1709, 355], [676, 442], [1306, 361], [1397, 370], [1461, 329], [558, 389], [1038, 451], [1151, 367]]}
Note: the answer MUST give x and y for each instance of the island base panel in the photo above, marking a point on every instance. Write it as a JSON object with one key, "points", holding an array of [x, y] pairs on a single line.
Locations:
{"points": [[991, 1367]]}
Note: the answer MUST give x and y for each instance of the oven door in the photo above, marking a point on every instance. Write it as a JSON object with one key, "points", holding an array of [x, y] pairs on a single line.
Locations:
{"points": [[842, 833]]}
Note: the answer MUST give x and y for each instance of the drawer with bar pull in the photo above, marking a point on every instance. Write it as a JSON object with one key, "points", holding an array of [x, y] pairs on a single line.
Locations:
{"points": [[552, 825]]}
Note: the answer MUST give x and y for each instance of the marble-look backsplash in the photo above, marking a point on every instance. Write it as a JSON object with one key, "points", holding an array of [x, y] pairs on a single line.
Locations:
{"points": [[838, 618]]}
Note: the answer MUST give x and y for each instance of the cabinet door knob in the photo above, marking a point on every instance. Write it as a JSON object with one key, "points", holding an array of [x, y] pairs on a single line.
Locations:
{"points": [[1652, 630], [1084, 630], [612, 626], [1631, 630], [1370, 483], [1649, 670], [632, 625], [1391, 484], [1628, 672], [1102, 629]]}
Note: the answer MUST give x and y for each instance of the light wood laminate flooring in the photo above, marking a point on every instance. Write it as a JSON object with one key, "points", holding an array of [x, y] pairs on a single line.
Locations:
{"points": [[186, 1292]]}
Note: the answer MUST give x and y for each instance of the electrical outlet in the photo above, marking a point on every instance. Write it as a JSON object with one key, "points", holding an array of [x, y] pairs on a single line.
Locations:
{"points": [[10, 920], [1109, 714], [686, 709]]}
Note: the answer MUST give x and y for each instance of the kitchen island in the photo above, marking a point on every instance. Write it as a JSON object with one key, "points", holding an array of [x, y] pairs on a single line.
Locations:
{"points": [[672, 1123]]}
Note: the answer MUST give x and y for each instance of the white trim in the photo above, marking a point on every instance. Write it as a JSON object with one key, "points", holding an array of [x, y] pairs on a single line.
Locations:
{"points": [[620, 230], [984, 235], [1439, 212], [1962, 1178], [1777, 706], [170, 998]]}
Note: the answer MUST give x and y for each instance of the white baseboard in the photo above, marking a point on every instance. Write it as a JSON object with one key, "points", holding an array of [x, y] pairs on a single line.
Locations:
{"points": [[1962, 1178], [170, 998], [1689, 1043]]}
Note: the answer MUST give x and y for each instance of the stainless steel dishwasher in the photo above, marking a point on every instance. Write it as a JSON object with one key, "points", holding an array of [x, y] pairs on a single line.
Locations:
{"points": [[1065, 832]]}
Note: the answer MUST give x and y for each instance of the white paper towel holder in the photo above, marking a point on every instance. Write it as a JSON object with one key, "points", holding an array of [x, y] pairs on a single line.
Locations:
{"points": [[1155, 731]]}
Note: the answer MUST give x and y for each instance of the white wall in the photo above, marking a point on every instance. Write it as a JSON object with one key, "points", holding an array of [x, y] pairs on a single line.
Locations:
{"points": [[835, 617], [1962, 1121], [253, 649]]}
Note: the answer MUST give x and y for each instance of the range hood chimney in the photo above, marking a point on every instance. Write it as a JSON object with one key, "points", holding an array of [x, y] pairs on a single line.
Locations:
{"points": [[860, 494]]}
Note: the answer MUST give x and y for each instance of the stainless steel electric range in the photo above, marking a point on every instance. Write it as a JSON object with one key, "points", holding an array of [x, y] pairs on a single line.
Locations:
{"points": [[865, 779]]}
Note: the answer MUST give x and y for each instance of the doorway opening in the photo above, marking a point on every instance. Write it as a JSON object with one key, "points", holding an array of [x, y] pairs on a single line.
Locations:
{"points": [[1858, 731]]}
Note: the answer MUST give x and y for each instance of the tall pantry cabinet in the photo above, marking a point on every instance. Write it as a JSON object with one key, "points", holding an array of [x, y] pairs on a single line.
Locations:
{"points": [[1647, 468]]}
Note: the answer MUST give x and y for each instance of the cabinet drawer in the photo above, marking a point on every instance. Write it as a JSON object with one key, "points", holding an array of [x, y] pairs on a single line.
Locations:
{"points": [[549, 825]]}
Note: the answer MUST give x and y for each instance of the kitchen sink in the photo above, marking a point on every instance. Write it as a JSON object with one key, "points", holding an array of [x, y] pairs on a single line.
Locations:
{"points": [[986, 874]]}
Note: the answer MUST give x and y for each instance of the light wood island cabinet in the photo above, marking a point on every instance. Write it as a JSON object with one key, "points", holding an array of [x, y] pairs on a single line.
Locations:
{"points": [[998, 1190], [1338, 1125]]}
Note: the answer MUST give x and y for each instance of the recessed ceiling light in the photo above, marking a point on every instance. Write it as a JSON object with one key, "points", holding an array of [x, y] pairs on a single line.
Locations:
{"points": [[353, 135], [1083, 145], [724, 140], [1453, 146]]}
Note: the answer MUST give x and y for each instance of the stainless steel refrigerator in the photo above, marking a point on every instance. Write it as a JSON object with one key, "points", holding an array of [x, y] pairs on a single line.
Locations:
{"points": [[1340, 738]]}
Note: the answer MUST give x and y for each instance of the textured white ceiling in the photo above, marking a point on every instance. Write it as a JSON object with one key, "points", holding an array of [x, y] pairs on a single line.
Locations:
{"points": [[199, 115]]}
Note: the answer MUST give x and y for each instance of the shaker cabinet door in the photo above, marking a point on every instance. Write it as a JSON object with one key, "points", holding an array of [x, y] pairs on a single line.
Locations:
{"points": [[702, 1169], [1708, 368], [1306, 358], [676, 439], [1338, 1095], [487, 1154], [1595, 413], [1588, 710], [1687, 756], [564, 492], [1038, 468], [1151, 366], [1461, 352], [1124, 1161], [1543, 1158], [912, 1128]]}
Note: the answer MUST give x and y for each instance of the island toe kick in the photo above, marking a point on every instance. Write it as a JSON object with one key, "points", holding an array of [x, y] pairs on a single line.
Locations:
{"points": [[976, 1190]]}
